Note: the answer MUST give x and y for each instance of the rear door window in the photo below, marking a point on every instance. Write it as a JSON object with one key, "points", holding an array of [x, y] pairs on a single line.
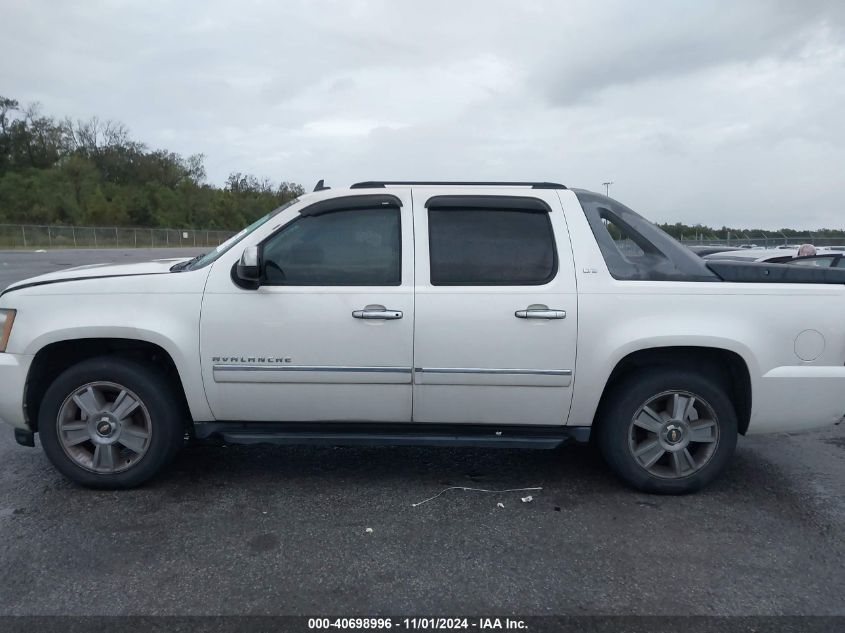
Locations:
{"points": [[478, 247]]}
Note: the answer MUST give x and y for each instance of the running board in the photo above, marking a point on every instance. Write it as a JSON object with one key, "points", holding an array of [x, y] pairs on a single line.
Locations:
{"points": [[352, 434]]}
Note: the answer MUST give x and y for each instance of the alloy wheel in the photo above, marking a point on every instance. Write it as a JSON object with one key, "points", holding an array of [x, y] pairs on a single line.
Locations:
{"points": [[104, 427], [674, 434]]}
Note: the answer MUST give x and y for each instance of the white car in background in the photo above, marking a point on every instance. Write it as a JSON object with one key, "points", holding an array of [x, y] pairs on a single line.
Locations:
{"points": [[778, 255], [830, 259]]}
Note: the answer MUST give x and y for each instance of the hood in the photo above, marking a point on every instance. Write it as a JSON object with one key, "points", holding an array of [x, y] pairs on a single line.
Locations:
{"points": [[99, 271]]}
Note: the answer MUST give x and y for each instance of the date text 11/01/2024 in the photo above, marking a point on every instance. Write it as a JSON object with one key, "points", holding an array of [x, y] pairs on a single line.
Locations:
{"points": [[431, 623]]}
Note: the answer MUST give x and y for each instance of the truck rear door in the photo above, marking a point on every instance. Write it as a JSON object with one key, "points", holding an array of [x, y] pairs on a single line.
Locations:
{"points": [[496, 307]]}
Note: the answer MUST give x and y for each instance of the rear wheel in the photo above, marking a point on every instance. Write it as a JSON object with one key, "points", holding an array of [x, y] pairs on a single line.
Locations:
{"points": [[667, 431], [110, 422]]}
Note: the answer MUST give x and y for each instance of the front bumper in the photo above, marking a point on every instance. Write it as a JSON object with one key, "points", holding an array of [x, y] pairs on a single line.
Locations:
{"points": [[14, 369]]}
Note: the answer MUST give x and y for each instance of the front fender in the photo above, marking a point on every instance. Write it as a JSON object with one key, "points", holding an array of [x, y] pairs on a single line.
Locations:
{"points": [[170, 321]]}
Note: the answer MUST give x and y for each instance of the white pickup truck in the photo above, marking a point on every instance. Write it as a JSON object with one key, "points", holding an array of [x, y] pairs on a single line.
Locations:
{"points": [[483, 314]]}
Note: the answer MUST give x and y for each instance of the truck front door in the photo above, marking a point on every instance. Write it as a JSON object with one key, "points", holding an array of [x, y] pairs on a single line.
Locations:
{"points": [[328, 334]]}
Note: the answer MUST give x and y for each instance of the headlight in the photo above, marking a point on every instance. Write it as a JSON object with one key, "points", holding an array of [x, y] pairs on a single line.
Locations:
{"points": [[7, 317]]}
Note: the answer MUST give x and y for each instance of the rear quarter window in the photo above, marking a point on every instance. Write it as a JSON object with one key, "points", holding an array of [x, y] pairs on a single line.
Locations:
{"points": [[634, 249]]}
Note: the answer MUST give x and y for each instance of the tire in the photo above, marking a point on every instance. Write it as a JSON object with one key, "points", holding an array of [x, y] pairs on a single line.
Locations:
{"points": [[110, 422], [694, 451]]}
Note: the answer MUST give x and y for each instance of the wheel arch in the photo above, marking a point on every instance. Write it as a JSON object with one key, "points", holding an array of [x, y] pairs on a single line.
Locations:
{"points": [[729, 366], [52, 359]]}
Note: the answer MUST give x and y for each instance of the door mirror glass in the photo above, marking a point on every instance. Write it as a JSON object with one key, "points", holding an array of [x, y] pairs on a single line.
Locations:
{"points": [[247, 268]]}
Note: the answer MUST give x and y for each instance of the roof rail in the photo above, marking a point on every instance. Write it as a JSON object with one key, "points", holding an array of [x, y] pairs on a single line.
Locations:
{"points": [[379, 184]]}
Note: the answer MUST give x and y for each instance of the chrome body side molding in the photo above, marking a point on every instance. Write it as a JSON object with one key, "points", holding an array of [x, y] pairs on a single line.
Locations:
{"points": [[311, 374], [492, 377]]}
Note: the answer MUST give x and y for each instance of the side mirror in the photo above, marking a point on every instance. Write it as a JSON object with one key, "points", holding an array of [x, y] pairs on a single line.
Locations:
{"points": [[247, 268]]}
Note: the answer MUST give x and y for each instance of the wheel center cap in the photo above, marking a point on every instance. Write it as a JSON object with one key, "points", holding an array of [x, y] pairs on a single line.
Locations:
{"points": [[104, 427], [674, 434]]}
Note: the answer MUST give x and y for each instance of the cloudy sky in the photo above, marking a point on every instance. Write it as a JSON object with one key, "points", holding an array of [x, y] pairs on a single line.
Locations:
{"points": [[714, 112]]}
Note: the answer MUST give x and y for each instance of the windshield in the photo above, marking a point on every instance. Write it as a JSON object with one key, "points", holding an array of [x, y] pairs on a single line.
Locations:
{"points": [[208, 258]]}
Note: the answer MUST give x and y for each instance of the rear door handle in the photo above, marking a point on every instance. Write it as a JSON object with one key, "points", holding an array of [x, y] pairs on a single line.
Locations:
{"points": [[377, 312], [544, 313]]}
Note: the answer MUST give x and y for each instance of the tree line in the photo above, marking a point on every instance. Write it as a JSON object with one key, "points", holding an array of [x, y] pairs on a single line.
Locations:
{"points": [[60, 171]]}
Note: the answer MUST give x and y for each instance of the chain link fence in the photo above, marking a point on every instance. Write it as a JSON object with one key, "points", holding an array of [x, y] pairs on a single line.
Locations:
{"points": [[760, 240], [27, 236], [36, 236]]}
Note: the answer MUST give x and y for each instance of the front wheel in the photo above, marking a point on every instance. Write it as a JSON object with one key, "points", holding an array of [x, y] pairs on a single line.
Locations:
{"points": [[110, 422], [667, 431]]}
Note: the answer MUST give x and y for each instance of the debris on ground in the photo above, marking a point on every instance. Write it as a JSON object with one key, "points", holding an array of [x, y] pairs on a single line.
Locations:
{"points": [[500, 505], [414, 505], [527, 499], [369, 530]]}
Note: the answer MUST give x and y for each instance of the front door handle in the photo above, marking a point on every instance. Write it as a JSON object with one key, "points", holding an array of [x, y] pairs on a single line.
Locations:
{"points": [[377, 312], [540, 313]]}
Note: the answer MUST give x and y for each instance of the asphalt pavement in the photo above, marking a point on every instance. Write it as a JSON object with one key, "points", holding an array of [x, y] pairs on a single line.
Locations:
{"points": [[316, 530]]}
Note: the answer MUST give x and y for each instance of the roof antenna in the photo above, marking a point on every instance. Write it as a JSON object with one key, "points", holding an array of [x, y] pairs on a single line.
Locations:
{"points": [[320, 186]]}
